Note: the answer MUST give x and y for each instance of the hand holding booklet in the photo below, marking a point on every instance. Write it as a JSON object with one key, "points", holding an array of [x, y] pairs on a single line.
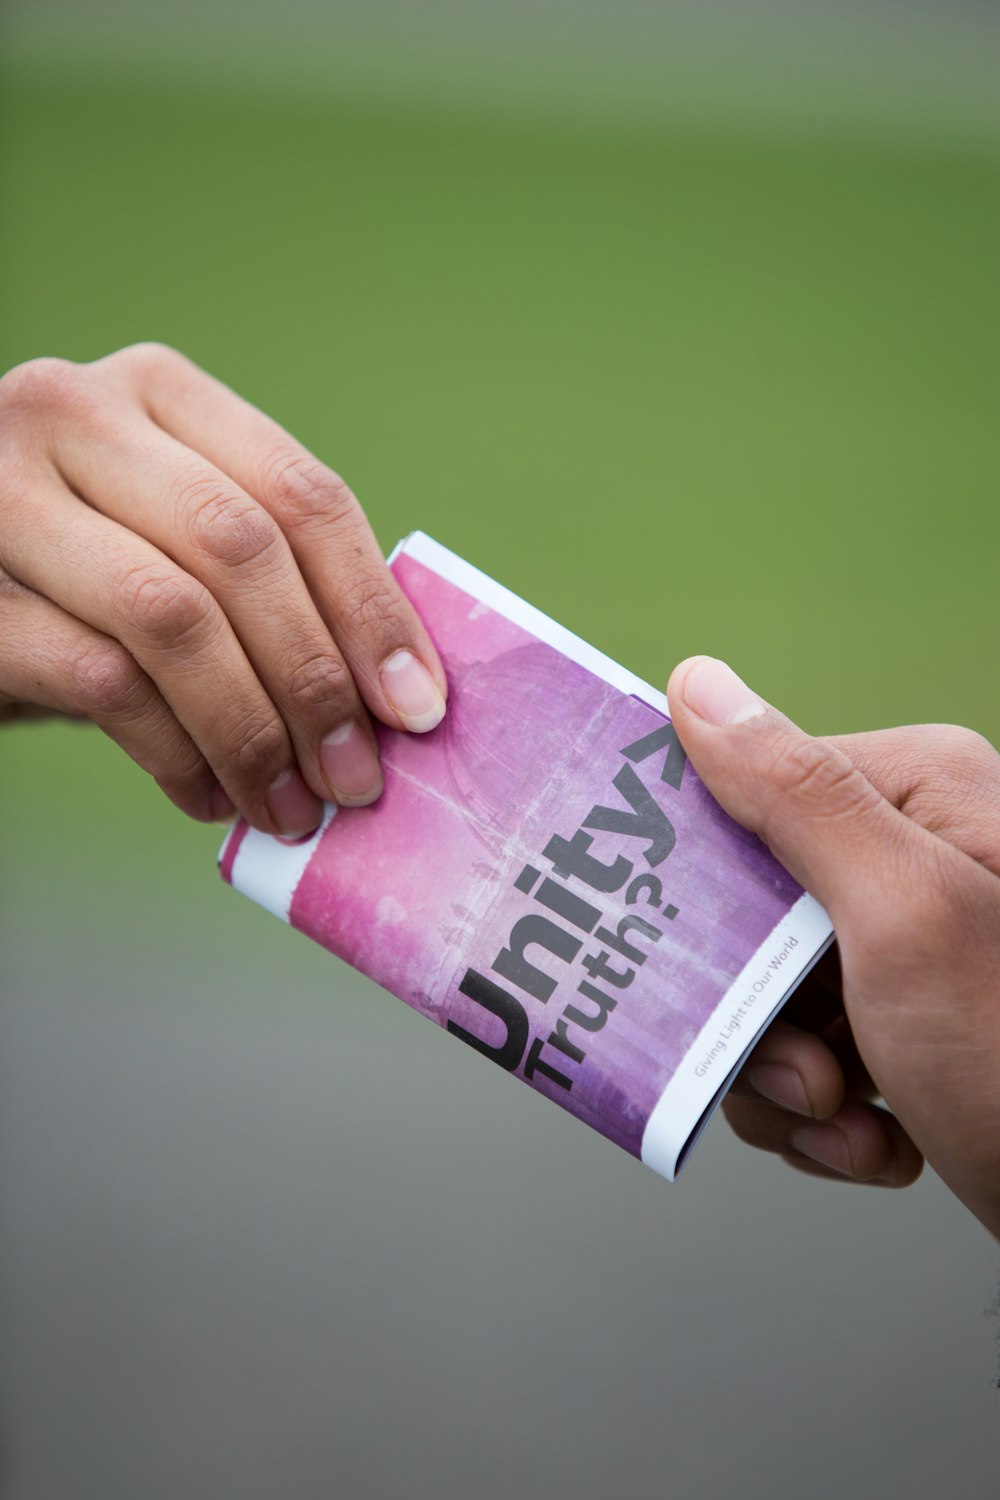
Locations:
{"points": [[546, 877]]}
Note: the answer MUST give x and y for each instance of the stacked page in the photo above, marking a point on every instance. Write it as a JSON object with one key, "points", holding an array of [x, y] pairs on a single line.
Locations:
{"points": [[546, 877]]}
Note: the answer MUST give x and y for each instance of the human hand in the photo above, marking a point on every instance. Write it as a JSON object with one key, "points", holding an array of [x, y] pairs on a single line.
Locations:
{"points": [[898, 834], [178, 569]]}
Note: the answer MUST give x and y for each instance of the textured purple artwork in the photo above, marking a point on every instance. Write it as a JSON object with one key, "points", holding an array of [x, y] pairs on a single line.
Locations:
{"points": [[544, 875]]}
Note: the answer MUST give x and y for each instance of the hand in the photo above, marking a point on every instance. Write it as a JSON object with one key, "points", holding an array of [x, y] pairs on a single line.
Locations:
{"points": [[898, 835], [178, 569]]}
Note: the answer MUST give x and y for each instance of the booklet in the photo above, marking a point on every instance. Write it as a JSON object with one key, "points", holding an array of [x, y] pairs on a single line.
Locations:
{"points": [[546, 877]]}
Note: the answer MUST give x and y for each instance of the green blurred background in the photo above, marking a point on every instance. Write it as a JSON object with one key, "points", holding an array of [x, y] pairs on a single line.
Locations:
{"points": [[680, 322]]}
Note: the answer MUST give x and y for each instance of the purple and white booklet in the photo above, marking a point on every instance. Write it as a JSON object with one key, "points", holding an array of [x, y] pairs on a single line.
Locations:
{"points": [[546, 877]]}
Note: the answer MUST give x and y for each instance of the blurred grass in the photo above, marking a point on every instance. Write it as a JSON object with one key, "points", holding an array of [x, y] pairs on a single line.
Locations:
{"points": [[687, 387]]}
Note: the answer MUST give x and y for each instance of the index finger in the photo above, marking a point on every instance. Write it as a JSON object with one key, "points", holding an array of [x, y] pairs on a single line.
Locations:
{"points": [[391, 657], [943, 777]]}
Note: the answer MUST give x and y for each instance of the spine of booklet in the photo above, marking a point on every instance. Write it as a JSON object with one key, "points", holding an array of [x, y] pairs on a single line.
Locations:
{"points": [[546, 877]]}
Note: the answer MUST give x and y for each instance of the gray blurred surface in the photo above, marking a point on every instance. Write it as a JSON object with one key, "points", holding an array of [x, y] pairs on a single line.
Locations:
{"points": [[916, 66], [267, 1234]]}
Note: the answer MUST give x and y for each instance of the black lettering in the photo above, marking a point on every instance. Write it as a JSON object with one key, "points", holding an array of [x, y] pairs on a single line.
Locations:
{"points": [[535, 1065], [651, 883], [647, 819], [560, 1040], [665, 737], [605, 1005], [599, 968], [568, 905], [570, 857], [528, 932], [508, 1010], [619, 942]]}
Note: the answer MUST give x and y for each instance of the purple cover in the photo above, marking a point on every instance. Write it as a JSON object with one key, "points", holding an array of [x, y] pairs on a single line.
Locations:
{"points": [[544, 875]]}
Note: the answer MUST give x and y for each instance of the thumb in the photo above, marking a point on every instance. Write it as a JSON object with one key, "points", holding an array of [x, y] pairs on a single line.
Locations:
{"points": [[814, 809]]}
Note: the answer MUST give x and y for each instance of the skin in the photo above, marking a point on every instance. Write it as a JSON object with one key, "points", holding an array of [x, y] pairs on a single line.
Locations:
{"points": [[178, 569], [898, 835]]}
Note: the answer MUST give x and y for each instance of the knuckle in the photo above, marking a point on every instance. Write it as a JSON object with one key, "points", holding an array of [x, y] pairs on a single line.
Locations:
{"points": [[186, 770], [964, 752], [10, 589], [262, 743], [106, 680], [139, 368], [165, 607], [321, 682], [45, 385], [304, 492], [952, 784], [366, 606], [812, 772], [149, 355], [227, 529]]}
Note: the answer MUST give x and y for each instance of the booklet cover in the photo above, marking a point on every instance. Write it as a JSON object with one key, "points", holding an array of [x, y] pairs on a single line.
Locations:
{"points": [[546, 877]]}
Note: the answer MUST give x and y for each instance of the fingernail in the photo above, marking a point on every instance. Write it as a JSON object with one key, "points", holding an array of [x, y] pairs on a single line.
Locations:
{"points": [[718, 696], [780, 1084], [825, 1144], [221, 808], [292, 806], [412, 691], [350, 765]]}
